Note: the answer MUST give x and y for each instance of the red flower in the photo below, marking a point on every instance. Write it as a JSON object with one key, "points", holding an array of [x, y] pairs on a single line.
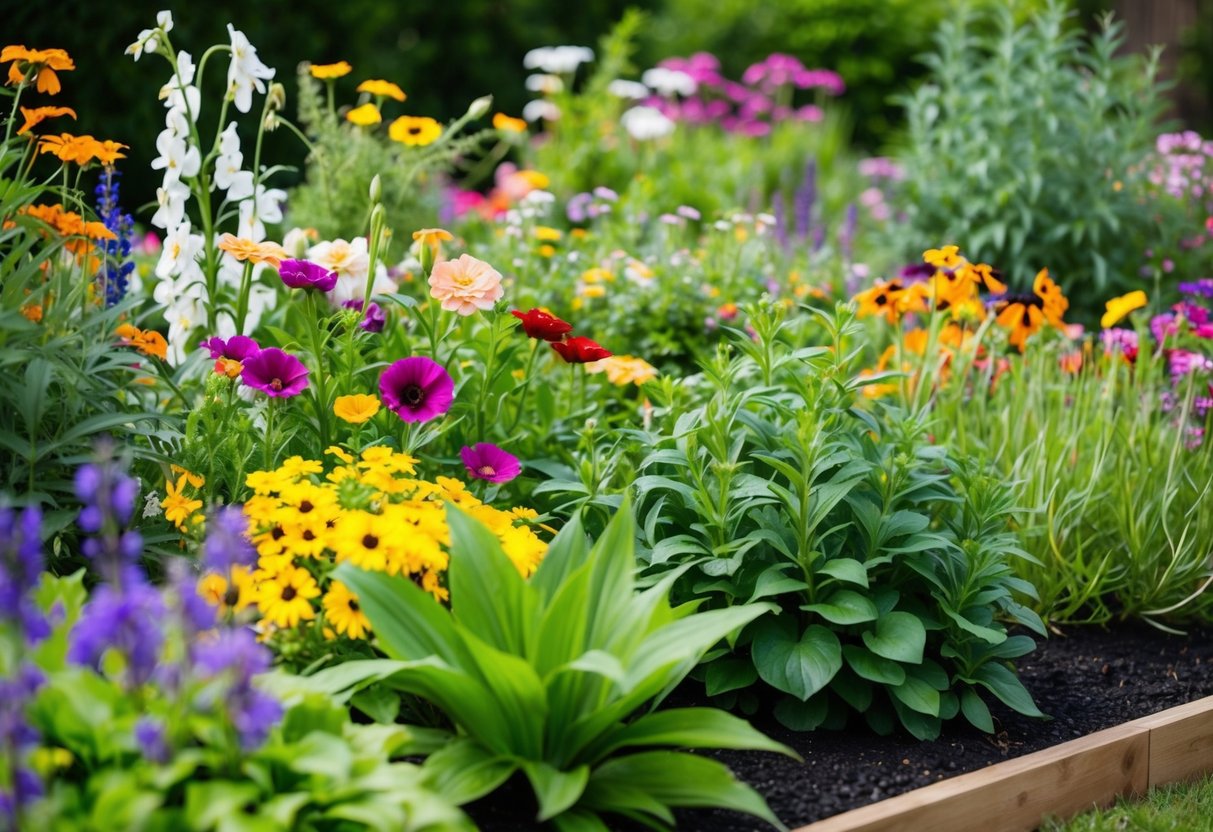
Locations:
{"points": [[539, 324], [579, 350]]}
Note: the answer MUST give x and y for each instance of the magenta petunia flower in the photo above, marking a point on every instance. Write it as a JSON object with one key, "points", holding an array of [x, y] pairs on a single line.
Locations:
{"points": [[488, 462], [236, 348], [416, 389], [275, 373], [303, 274]]}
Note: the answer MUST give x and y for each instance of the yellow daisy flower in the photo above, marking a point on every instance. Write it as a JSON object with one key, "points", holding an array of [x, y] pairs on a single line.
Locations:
{"points": [[341, 609], [285, 599], [414, 131], [364, 116], [356, 409], [327, 72]]}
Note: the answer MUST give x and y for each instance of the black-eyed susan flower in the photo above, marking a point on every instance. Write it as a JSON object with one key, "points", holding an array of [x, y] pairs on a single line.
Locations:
{"points": [[414, 131], [883, 299], [284, 598], [343, 613]]}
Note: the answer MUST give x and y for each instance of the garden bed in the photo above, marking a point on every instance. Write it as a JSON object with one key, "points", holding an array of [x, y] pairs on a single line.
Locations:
{"points": [[1087, 680]]}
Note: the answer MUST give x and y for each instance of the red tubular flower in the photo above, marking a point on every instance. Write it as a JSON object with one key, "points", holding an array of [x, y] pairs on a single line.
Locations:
{"points": [[539, 324], [580, 350]]}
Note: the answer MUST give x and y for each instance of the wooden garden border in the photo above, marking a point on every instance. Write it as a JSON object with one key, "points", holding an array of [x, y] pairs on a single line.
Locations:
{"points": [[1016, 795]]}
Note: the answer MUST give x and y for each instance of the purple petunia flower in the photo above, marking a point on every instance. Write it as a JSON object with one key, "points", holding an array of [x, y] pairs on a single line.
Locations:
{"points": [[373, 320], [304, 274], [275, 373], [416, 389], [236, 348], [488, 462]]}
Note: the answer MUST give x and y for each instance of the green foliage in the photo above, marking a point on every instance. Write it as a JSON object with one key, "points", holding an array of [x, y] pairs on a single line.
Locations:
{"points": [[1113, 497], [540, 677], [1026, 146], [888, 562], [344, 158]]}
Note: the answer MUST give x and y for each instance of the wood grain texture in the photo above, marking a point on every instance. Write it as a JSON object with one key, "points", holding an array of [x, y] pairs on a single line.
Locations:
{"points": [[1181, 742]]}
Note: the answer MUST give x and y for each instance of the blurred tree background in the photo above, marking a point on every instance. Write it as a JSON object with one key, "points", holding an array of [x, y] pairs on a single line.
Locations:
{"points": [[444, 54]]}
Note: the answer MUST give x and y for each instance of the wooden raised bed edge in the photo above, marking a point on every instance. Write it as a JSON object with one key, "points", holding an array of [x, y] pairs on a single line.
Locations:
{"points": [[1016, 795]]}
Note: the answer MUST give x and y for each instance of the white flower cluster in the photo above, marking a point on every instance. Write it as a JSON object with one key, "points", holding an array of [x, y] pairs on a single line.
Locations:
{"points": [[646, 123], [558, 60], [181, 289]]}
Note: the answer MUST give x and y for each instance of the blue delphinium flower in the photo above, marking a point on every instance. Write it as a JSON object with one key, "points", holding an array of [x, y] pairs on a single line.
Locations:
{"points": [[21, 565], [236, 654], [116, 264], [227, 542], [17, 739]]}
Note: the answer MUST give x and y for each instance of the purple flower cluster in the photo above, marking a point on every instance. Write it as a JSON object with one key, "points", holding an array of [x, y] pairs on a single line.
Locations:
{"points": [[127, 618], [373, 320], [107, 496], [590, 204], [1183, 168], [751, 107], [235, 655], [116, 264], [18, 738], [227, 541], [21, 564]]}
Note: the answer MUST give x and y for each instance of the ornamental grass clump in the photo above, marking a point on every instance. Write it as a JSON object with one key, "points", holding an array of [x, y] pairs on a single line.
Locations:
{"points": [[549, 678]]}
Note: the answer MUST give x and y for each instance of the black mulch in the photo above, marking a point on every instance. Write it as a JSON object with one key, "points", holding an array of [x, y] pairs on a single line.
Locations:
{"points": [[1086, 680]]}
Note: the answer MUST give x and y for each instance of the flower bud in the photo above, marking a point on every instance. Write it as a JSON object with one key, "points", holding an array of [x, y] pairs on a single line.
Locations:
{"points": [[479, 107], [277, 96], [376, 190], [271, 122]]}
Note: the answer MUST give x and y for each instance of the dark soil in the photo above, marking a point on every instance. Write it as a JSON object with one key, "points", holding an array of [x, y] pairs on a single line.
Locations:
{"points": [[1086, 680]]}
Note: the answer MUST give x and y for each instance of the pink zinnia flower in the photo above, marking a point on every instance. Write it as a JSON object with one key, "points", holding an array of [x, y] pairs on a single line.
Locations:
{"points": [[488, 462], [465, 285], [237, 348], [304, 274], [275, 373], [416, 389]]}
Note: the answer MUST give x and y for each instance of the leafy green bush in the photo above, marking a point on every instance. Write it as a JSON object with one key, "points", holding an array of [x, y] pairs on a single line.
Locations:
{"points": [[1026, 144], [887, 561], [540, 677]]}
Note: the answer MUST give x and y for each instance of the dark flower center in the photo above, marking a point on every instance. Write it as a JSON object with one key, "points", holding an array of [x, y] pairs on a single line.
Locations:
{"points": [[354, 605], [231, 596], [276, 384], [369, 541], [305, 506], [288, 593], [413, 395], [309, 535], [277, 532], [415, 131]]}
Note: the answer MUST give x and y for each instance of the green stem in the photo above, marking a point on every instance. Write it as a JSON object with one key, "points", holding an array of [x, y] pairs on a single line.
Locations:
{"points": [[321, 396], [526, 384], [481, 400]]}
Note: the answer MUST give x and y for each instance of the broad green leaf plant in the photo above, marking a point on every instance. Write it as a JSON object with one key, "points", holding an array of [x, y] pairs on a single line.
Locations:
{"points": [[550, 678], [884, 567]]}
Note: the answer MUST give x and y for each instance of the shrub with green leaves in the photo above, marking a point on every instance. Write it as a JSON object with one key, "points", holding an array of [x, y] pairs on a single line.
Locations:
{"points": [[1027, 144], [546, 678], [885, 565]]}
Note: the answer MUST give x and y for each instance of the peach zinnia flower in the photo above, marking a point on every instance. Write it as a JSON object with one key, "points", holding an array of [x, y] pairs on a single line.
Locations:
{"points": [[243, 249], [465, 285]]}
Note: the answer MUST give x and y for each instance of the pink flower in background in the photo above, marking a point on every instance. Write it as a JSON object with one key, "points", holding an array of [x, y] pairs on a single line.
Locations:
{"points": [[465, 285], [488, 462]]}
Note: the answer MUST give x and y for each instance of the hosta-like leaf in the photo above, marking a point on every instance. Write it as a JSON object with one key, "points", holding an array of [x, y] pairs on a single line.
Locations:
{"points": [[691, 728], [899, 636], [844, 607], [555, 790], [868, 665], [465, 771], [799, 666]]}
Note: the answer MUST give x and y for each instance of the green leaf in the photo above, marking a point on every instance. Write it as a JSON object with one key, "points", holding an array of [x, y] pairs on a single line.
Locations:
{"points": [[899, 636], [676, 779], [729, 673], [802, 716], [846, 569], [488, 595], [917, 695], [208, 803], [555, 790], [772, 581], [1004, 684], [693, 728], [801, 666], [465, 771], [844, 607], [874, 668], [976, 711]]}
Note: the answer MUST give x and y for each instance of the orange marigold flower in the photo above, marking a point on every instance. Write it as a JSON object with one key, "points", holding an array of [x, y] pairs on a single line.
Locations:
{"points": [[32, 312], [383, 88], [148, 342], [244, 249], [81, 149], [36, 115], [37, 65], [327, 72]]}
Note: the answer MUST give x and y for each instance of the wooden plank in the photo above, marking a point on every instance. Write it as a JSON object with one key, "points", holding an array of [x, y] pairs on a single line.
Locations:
{"points": [[1181, 742], [1015, 795]]}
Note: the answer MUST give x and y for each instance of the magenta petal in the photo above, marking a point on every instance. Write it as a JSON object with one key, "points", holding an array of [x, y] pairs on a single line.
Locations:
{"points": [[489, 462], [275, 373], [416, 389]]}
